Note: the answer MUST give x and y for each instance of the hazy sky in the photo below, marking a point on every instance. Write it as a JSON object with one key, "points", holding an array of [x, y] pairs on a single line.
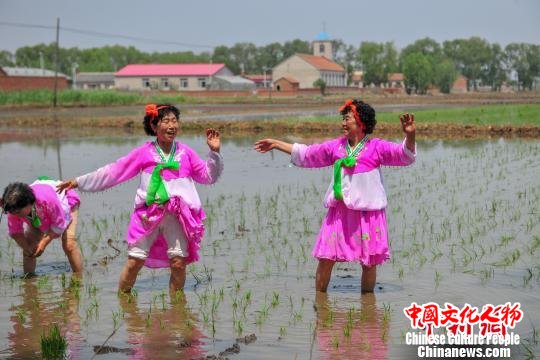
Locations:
{"points": [[200, 25]]}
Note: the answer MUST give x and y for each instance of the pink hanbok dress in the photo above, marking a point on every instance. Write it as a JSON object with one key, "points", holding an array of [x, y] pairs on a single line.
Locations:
{"points": [[52, 209], [183, 203], [355, 227]]}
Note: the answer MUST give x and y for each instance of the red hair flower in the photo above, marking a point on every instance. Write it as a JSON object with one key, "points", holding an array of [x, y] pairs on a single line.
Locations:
{"points": [[152, 110]]}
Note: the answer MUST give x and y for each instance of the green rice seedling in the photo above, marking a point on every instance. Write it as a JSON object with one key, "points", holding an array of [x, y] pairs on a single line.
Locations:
{"points": [[53, 345], [275, 299], [148, 320], [335, 342], [21, 315], [387, 312], [282, 331], [116, 317], [347, 330], [43, 281], [438, 278], [239, 327]]}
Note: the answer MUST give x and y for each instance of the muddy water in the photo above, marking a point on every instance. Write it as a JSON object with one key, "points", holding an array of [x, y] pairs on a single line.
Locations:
{"points": [[464, 228]]}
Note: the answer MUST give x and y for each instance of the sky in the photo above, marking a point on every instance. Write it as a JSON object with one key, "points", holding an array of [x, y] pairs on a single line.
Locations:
{"points": [[178, 25]]}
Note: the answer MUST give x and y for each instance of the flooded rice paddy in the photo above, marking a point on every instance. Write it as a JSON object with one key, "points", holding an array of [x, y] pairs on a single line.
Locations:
{"points": [[464, 225]]}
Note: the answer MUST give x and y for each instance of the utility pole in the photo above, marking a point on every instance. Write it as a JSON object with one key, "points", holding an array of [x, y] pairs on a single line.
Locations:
{"points": [[56, 62]]}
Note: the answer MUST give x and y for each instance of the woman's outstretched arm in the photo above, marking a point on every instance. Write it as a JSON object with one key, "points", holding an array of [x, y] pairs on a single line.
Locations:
{"points": [[266, 145]]}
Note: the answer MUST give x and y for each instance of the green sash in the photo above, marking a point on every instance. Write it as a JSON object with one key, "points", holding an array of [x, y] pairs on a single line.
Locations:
{"points": [[347, 161], [157, 193], [34, 218]]}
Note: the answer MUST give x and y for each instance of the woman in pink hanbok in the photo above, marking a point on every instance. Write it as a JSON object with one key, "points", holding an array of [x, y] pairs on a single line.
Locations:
{"points": [[166, 226], [37, 215], [354, 228]]}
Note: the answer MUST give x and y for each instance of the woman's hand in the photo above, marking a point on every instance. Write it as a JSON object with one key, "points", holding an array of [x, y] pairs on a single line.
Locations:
{"points": [[265, 145], [409, 128], [66, 185], [407, 123], [213, 139], [40, 248]]}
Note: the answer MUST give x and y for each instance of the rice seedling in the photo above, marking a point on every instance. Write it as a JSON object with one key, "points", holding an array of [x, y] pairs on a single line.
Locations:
{"points": [[53, 344]]}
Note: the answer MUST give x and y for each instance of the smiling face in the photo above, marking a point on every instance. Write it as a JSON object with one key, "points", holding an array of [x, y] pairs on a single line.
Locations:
{"points": [[350, 127], [167, 128]]}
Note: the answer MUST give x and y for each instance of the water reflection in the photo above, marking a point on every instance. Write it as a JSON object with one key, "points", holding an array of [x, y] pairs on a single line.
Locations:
{"points": [[354, 333], [163, 331], [39, 310]]}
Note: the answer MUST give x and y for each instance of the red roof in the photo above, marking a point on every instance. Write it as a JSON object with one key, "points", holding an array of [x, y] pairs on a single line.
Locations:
{"points": [[257, 77], [395, 77], [322, 63], [170, 70], [288, 79]]}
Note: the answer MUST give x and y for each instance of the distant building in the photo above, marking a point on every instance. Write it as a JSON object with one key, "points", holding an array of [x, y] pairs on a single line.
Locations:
{"points": [[357, 79], [395, 81], [459, 86], [322, 46], [260, 80], [183, 77], [222, 82], [22, 78], [306, 69], [93, 80], [286, 84]]}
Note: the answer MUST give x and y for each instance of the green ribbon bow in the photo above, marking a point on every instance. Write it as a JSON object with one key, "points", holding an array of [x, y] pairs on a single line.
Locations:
{"points": [[347, 161], [157, 193], [34, 218]]}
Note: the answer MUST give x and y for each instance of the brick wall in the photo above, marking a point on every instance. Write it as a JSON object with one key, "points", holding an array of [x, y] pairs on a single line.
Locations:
{"points": [[18, 83]]}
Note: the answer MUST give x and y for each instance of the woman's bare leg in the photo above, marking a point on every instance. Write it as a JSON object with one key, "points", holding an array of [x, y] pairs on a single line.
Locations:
{"points": [[178, 274], [70, 245], [129, 274], [369, 277], [324, 272]]}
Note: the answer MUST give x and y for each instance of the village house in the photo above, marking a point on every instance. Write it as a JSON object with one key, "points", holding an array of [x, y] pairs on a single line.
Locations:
{"points": [[357, 79], [22, 78], [93, 80], [305, 69], [182, 77], [260, 80], [395, 81]]}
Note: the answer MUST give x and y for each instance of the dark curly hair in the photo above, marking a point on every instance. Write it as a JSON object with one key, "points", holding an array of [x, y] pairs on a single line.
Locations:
{"points": [[17, 196], [366, 112], [167, 108]]}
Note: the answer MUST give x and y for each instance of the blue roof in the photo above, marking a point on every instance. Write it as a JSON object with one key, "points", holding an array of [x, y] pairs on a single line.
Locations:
{"points": [[322, 36]]}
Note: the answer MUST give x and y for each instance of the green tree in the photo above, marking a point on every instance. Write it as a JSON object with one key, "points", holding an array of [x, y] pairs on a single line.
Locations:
{"points": [[470, 56], [377, 60], [444, 75], [495, 73], [295, 46], [418, 73], [524, 60], [244, 54], [268, 56], [321, 84], [6, 58]]}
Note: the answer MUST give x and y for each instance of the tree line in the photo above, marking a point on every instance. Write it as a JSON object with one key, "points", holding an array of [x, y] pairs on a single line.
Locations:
{"points": [[424, 63]]}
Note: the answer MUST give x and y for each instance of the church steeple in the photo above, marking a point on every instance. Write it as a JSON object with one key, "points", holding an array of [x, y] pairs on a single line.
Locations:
{"points": [[322, 45]]}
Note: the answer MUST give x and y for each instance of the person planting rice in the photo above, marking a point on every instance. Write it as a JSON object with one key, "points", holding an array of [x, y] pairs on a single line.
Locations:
{"points": [[354, 228], [166, 226], [37, 215]]}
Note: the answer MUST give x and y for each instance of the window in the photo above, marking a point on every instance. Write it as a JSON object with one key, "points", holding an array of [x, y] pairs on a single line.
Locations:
{"points": [[321, 48], [164, 83], [184, 83], [202, 82], [146, 83]]}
